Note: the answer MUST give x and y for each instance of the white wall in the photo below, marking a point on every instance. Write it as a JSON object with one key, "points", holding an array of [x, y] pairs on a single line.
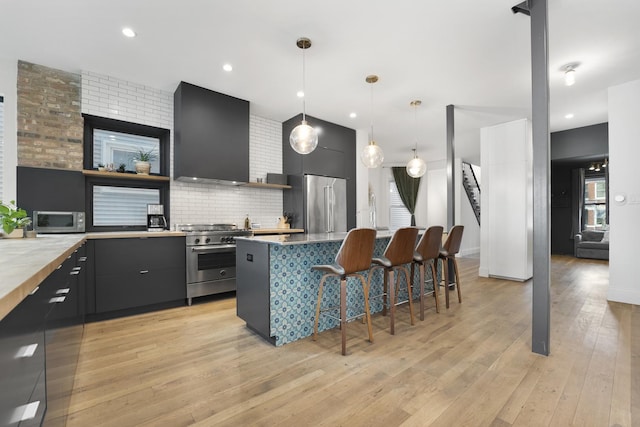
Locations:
{"points": [[107, 96], [362, 182], [624, 152], [9, 89], [506, 201]]}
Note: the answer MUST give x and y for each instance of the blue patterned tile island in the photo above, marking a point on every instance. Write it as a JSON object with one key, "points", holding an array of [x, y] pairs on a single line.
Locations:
{"points": [[277, 291]]}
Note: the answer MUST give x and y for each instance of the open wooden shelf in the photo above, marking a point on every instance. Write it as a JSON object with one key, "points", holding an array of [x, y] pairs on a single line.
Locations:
{"points": [[266, 185], [120, 175]]}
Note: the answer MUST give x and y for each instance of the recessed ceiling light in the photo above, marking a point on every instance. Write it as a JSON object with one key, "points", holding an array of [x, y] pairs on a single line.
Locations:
{"points": [[300, 94], [568, 116], [128, 32], [227, 67], [353, 115]]}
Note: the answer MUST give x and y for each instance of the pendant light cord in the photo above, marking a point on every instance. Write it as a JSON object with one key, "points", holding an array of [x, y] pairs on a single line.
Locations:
{"points": [[304, 89], [372, 111]]}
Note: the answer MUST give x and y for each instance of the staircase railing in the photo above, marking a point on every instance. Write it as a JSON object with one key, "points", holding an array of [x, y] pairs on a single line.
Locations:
{"points": [[472, 188]]}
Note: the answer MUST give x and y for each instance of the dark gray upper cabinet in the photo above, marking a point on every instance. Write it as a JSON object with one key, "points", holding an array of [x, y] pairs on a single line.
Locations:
{"points": [[335, 156], [211, 135]]}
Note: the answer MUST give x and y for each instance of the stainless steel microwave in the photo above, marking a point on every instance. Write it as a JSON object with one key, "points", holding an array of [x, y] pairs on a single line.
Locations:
{"points": [[58, 222]]}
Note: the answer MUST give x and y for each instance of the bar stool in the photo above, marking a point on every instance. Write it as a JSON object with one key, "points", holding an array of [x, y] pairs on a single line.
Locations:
{"points": [[354, 256], [427, 252], [448, 253], [399, 252]]}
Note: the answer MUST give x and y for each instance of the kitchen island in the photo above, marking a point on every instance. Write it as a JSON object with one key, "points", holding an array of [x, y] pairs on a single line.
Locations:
{"points": [[277, 290]]}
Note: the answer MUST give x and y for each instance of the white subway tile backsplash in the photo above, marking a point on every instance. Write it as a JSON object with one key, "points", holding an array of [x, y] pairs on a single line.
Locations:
{"points": [[110, 97]]}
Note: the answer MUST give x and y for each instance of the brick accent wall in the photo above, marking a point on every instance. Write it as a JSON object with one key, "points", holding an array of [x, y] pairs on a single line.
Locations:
{"points": [[50, 126]]}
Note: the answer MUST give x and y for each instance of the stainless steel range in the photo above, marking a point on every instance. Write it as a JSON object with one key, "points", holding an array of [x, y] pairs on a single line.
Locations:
{"points": [[211, 258]]}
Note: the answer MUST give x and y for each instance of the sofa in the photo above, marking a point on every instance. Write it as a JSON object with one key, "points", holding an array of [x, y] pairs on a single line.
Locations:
{"points": [[592, 244]]}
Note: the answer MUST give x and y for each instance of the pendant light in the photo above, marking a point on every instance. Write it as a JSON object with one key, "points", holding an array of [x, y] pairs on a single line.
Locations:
{"points": [[372, 155], [416, 166], [303, 138]]}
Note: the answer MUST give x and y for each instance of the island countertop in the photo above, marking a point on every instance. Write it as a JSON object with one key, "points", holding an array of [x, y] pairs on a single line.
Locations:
{"points": [[302, 239]]}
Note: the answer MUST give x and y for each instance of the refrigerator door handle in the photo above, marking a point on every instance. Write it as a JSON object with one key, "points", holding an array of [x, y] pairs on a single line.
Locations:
{"points": [[327, 209]]}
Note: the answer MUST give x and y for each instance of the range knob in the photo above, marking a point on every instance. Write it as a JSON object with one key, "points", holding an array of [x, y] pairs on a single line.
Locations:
{"points": [[197, 241], [207, 240]]}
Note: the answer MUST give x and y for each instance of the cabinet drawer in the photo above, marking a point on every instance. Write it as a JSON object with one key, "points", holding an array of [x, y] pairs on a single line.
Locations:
{"points": [[120, 291], [129, 256]]}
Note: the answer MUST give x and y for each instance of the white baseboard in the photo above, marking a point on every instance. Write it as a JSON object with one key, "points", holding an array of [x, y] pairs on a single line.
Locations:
{"points": [[483, 272], [469, 251], [628, 296]]}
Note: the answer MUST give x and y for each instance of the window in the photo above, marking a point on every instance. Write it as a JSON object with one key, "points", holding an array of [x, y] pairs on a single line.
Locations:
{"points": [[117, 202], [1, 144], [122, 206], [399, 216], [595, 203], [117, 148]]}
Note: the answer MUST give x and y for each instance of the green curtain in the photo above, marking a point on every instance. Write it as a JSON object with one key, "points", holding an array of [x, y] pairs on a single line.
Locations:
{"points": [[407, 189]]}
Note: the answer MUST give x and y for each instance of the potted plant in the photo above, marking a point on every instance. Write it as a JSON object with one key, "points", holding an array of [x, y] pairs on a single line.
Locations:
{"points": [[13, 219], [101, 167], [142, 160]]}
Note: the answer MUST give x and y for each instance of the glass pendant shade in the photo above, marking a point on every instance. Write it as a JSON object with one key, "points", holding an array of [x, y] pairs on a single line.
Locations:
{"points": [[416, 167], [372, 155], [303, 138]]}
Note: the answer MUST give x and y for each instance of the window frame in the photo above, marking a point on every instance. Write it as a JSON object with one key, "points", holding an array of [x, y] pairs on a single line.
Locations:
{"points": [[95, 122], [103, 123], [596, 202], [401, 205]]}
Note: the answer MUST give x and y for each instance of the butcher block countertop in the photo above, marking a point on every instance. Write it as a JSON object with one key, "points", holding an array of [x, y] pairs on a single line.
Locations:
{"points": [[25, 263]]}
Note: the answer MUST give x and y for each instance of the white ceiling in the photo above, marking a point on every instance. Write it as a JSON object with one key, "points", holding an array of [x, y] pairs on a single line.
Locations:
{"points": [[473, 54]]}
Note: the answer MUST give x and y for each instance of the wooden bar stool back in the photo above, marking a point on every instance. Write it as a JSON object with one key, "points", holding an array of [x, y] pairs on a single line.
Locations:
{"points": [[398, 253], [448, 255], [427, 252], [354, 256]]}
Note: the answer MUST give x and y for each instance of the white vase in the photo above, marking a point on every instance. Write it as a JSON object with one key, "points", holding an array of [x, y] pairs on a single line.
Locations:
{"points": [[143, 168], [17, 233]]}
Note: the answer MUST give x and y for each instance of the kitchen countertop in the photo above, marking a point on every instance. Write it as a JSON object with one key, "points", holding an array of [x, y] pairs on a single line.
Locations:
{"points": [[301, 239], [257, 231], [25, 263]]}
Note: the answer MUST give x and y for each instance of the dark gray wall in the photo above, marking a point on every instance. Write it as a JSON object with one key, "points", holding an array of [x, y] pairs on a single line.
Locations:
{"points": [[570, 149], [585, 142]]}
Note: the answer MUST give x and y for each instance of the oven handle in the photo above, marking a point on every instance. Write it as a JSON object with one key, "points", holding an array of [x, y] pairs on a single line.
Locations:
{"points": [[214, 248]]}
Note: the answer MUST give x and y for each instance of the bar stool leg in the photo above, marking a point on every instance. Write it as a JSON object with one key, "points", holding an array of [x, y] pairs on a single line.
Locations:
{"points": [[410, 293], [367, 310], [385, 292], [455, 269], [343, 313], [445, 275], [392, 298], [434, 277], [315, 325], [421, 268]]}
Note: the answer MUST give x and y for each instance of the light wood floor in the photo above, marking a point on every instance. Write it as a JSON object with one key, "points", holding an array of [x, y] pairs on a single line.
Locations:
{"points": [[469, 365]]}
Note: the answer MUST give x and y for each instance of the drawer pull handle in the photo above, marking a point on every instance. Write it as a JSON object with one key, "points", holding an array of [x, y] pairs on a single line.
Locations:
{"points": [[35, 290], [59, 267], [26, 351], [56, 300], [83, 259], [144, 271], [74, 273], [76, 269], [62, 291]]}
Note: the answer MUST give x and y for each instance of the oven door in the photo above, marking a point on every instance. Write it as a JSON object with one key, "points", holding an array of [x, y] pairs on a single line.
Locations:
{"points": [[206, 263]]}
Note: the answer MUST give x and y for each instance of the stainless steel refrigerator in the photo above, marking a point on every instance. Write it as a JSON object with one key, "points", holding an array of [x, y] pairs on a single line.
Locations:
{"points": [[325, 204]]}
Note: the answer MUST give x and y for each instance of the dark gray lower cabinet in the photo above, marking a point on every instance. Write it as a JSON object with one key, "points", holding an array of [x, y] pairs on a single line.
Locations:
{"points": [[47, 325], [135, 272]]}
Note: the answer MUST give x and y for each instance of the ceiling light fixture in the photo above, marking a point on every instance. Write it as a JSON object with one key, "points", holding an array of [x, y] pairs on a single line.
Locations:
{"points": [[372, 155], [128, 32], [606, 163], [303, 138], [569, 116], [416, 166], [597, 169], [570, 73], [227, 67], [592, 166]]}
